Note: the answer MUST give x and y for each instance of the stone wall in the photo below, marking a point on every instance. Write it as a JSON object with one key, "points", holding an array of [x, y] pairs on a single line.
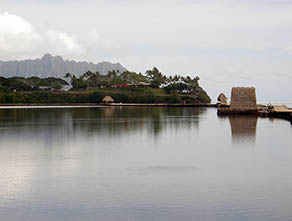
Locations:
{"points": [[243, 99]]}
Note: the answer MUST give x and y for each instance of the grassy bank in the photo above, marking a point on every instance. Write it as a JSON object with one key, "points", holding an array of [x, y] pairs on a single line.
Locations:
{"points": [[120, 95]]}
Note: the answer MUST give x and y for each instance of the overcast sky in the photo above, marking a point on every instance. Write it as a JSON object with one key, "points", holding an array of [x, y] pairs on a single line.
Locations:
{"points": [[227, 43]]}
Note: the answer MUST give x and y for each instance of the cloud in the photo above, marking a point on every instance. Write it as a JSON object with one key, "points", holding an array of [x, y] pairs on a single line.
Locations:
{"points": [[62, 43], [19, 39], [226, 43], [96, 46], [17, 35]]}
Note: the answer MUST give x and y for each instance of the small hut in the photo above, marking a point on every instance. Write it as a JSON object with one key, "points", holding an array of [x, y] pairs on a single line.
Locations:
{"points": [[108, 99], [222, 99]]}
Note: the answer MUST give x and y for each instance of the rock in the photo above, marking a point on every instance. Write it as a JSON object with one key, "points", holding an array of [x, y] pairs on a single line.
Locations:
{"points": [[54, 66], [222, 99]]}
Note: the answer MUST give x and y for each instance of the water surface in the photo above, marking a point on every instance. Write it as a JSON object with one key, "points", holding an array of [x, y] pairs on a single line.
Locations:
{"points": [[139, 163]]}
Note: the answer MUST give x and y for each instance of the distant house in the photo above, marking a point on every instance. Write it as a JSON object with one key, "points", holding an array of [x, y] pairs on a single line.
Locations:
{"points": [[143, 84], [66, 88], [45, 88], [120, 85], [137, 84], [50, 88], [108, 99]]}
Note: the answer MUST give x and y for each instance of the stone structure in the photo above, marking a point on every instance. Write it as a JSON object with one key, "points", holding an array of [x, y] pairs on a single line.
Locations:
{"points": [[243, 99], [281, 108], [222, 99], [243, 102]]}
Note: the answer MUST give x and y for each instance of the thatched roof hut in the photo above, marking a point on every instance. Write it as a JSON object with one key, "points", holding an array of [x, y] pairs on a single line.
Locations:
{"points": [[222, 99], [108, 99], [243, 99]]}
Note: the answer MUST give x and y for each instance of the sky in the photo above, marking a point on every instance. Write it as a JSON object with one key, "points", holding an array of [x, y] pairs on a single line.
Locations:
{"points": [[226, 43]]}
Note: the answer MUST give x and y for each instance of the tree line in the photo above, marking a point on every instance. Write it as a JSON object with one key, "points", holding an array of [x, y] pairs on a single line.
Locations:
{"points": [[31, 84], [151, 87], [154, 77]]}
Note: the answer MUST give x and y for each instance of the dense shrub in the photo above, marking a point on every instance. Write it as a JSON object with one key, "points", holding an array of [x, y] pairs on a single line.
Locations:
{"points": [[204, 97], [120, 96]]}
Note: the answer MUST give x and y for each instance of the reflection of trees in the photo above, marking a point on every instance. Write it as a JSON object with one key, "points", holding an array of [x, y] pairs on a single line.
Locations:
{"points": [[116, 121], [106, 121], [243, 128]]}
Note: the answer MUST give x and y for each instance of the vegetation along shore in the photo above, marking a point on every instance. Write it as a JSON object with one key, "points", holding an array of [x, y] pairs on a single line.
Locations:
{"points": [[128, 87]]}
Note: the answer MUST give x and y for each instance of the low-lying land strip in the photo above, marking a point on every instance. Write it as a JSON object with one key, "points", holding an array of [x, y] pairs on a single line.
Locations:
{"points": [[128, 87], [145, 95]]}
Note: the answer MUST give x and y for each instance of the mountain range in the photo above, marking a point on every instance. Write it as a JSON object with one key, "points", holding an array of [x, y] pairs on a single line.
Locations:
{"points": [[54, 66]]}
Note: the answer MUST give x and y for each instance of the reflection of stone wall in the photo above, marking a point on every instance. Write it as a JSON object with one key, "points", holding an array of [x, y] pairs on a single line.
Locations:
{"points": [[243, 98], [243, 127]]}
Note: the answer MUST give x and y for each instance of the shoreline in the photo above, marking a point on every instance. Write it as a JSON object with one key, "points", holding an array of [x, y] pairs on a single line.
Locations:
{"points": [[261, 112], [108, 105]]}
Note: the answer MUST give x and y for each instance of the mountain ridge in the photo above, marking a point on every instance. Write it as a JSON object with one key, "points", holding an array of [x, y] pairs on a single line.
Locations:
{"points": [[54, 66]]}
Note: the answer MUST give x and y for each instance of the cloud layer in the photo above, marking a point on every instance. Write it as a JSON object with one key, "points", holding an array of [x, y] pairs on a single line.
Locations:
{"points": [[17, 35], [227, 43], [19, 39]]}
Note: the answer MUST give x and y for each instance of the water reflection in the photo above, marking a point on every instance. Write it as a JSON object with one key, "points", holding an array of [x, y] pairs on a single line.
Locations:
{"points": [[243, 128], [141, 164], [58, 144], [108, 121]]}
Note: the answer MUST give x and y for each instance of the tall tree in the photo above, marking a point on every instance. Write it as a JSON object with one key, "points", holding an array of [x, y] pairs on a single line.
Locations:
{"points": [[156, 77]]}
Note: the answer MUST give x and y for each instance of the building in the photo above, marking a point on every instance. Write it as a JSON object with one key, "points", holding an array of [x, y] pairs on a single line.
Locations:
{"points": [[243, 99], [243, 102], [108, 99]]}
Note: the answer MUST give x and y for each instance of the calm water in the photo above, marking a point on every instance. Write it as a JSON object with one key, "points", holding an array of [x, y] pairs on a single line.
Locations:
{"points": [[143, 164]]}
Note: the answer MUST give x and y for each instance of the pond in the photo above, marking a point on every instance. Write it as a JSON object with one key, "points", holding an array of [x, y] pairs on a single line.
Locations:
{"points": [[142, 163]]}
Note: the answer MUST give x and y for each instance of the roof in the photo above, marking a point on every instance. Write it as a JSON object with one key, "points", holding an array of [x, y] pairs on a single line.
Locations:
{"points": [[143, 83], [108, 99]]}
